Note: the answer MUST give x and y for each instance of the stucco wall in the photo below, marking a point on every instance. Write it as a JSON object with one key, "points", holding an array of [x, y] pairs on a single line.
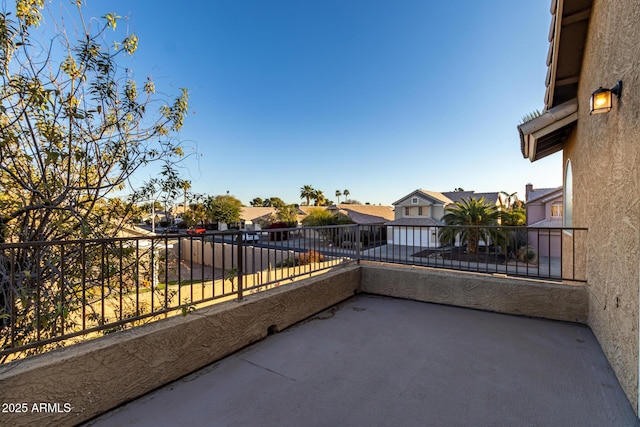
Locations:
{"points": [[98, 375], [535, 212], [604, 151], [480, 291]]}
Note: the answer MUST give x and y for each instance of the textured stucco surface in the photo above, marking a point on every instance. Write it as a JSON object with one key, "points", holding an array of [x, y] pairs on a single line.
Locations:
{"points": [[604, 151], [376, 361], [485, 292], [98, 375]]}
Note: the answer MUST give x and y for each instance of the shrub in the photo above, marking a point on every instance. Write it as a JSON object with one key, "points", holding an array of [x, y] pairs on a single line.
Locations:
{"points": [[309, 257], [527, 254], [302, 259]]}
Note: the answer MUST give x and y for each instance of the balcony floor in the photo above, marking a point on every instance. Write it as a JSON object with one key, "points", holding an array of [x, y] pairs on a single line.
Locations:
{"points": [[381, 361]]}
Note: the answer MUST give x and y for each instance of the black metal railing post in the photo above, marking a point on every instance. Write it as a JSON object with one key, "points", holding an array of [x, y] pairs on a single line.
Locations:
{"points": [[240, 265], [358, 242]]}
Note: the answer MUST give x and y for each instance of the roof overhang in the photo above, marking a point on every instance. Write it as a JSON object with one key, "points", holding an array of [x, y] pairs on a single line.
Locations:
{"points": [[546, 134], [567, 37]]}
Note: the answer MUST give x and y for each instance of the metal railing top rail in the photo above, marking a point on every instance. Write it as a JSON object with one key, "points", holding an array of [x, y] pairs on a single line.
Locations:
{"points": [[549, 253], [55, 291], [59, 290]]}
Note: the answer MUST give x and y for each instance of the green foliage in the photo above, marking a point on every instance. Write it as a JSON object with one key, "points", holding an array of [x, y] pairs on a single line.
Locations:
{"points": [[307, 192], [223, 208], [527, 254], [471, 212], [288, 214], [195, 214], [305, 258], [231, 275], [318, 217], [530, 116], [514, 216], [187, 308], [74, 129]]}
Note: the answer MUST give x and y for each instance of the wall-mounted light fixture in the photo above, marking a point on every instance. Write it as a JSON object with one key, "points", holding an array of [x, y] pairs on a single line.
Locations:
{"points": [[602, 100]]}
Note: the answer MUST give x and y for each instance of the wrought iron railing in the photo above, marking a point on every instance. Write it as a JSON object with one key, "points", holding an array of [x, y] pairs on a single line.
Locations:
{"points": [[54, 293], [70, 290], [543, 253]]}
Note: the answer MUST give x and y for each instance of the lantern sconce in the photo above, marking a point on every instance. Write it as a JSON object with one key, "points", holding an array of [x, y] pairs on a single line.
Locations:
{"points": [[602, 100]]}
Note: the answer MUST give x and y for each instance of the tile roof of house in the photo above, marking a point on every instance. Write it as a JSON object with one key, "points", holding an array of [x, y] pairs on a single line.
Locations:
{"points": [[360, 214], [547, 223], [305, 209], [249, 213], [380, 213], [539, 193], [456, 196], [434, 195]]}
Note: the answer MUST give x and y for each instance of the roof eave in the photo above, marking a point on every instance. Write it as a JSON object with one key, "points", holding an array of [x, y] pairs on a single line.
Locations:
{"points": [[547, 133]]}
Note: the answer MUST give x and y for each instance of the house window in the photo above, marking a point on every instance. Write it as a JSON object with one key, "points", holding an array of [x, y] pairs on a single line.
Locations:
{"points": [[414, 201], [556, 211], [407, 211], [419, 210], [567, 202]]}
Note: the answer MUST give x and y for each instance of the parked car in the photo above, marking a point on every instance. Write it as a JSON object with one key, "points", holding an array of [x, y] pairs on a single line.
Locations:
{"points": [[250, 237], [198, 229], [171, 229]]}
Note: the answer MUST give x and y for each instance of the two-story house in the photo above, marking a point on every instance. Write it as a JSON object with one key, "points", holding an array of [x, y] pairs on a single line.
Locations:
{"points": [[544, 213], [418, 215]]}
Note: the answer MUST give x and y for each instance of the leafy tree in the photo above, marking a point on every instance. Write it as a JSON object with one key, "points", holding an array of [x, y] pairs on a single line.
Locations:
{"points": [[307, 193], [274, 202], [516, 216], [458, 190], [74, 128], [256, 202], [471, 212], [320, 217], [288, 214], [196, 214], [223, 208]]}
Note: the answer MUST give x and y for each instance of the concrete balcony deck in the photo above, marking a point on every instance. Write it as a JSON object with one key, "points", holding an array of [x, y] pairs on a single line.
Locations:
{"points": [[374, 360]]}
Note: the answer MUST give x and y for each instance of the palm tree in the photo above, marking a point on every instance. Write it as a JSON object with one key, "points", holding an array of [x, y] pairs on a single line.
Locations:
{"points": [[471, 212], [530, 116], [338, 194], [509, 198], [319, 197], [307, 192], [346, 194], [186, 186]]}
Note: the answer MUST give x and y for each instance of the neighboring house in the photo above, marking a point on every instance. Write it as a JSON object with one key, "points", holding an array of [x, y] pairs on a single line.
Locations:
{"points": [[418, 215], [364, 214], [359, 214], [594, 44], [544, 212], [251, 216], [493, 198]]}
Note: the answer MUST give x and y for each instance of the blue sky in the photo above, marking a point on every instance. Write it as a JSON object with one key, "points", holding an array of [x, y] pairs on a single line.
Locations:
{"points": [[379, 97]]}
